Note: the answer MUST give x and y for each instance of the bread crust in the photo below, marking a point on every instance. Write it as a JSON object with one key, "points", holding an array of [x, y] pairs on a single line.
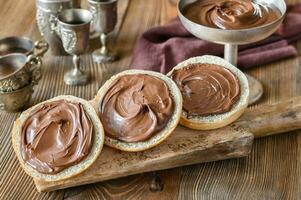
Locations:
{"points": [[98, 141], [219, 120], [158, 137]]}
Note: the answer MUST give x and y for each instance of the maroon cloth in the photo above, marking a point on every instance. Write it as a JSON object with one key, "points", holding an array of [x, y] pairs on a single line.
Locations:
{"points": [[161, 48]]}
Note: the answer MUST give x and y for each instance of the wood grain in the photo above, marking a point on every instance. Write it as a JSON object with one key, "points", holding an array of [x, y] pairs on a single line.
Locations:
{"points": [[187, 147], [184, 147], [271, 171], [273, 119]]}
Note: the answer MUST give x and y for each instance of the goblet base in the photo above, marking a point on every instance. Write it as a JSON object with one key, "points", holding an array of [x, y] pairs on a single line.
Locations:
{"points": [[76, 77], [256, 90], [99, 57]]}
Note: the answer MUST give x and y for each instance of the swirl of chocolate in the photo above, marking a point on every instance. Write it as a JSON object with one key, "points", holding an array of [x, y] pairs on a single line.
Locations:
{"points": [[55, 136], [135, 107], [230, 14], [207, 89]]}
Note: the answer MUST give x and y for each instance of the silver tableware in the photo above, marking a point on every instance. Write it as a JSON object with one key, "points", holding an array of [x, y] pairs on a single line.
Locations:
{"points": [[16, 100], [232, 38], [47, 11], [18, 71], [22, 45], [73, 26], [104, 21]]}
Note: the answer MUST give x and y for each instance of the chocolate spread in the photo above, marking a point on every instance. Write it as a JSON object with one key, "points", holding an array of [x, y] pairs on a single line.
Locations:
{"points": [[55, 136], [207, 89], [230, 14], [135, 107]]}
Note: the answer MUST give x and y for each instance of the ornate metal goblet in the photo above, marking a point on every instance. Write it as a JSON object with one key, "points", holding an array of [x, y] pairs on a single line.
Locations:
{"points": [[104, 21], [73, 29], [232, 38], [47, 11]]}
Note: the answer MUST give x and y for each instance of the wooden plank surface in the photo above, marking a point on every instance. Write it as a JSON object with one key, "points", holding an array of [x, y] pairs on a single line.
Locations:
{"points": [[184, 147], [187, 147], [272, 171]]}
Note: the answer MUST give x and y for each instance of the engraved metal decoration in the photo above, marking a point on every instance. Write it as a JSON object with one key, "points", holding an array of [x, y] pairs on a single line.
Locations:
{"points": [[53, 24], [93, 11], [46, 17], [69, 39], [41, 21], [16, 100], [15, 82]]}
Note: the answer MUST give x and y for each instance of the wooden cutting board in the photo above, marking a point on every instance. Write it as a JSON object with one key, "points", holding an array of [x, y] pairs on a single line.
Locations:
{"points": [[186, 147]]}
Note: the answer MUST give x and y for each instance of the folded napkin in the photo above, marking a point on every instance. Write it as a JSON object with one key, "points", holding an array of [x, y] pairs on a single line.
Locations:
{"points": [[161, 48]]}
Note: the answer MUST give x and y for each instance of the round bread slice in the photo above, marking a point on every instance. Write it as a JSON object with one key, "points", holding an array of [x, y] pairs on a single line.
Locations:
{"points": [[219, 120], [97, 144], [156, 138]]}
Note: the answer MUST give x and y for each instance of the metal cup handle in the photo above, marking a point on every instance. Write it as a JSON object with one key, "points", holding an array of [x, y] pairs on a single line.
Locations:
{"points": [[41, 47], [35, 60], [35, 63]]}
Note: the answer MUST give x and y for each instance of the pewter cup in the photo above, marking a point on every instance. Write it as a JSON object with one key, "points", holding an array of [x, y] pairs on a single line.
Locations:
{"points": [[22, 45], [47, 11], [17, 71], [16, 100], [104, 21], [73, 26]]}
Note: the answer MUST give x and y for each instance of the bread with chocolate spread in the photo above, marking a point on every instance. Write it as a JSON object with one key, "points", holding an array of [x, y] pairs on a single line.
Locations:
{"points": [[139, 109], [58, 138], [215, 93]]}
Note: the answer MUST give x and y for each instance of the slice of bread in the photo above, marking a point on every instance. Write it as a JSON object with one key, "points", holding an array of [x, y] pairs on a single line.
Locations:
{"points": [[156, 138], [98, 141], [219, 120]]}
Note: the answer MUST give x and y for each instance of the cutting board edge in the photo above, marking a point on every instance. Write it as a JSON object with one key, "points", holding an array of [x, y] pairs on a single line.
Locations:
{"points": [[236, 153]]}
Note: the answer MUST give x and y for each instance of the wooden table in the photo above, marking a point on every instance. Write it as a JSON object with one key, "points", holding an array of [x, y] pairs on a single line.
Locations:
{"points": [[272, 171]]}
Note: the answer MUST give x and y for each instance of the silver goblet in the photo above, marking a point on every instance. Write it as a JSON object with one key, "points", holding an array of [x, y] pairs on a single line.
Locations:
{"points": [[104, 21], [73, 28], [47, 11]]}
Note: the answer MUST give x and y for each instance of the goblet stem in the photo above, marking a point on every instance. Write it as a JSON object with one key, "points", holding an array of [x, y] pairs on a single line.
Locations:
{"points": [[231, 51], [76, 76], [103, 39], [76, 62], [256, 88], [103, 54]]}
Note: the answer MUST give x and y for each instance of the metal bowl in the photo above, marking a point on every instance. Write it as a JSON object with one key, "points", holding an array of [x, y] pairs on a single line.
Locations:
{"points": [[239, 36], [11, 45]]}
